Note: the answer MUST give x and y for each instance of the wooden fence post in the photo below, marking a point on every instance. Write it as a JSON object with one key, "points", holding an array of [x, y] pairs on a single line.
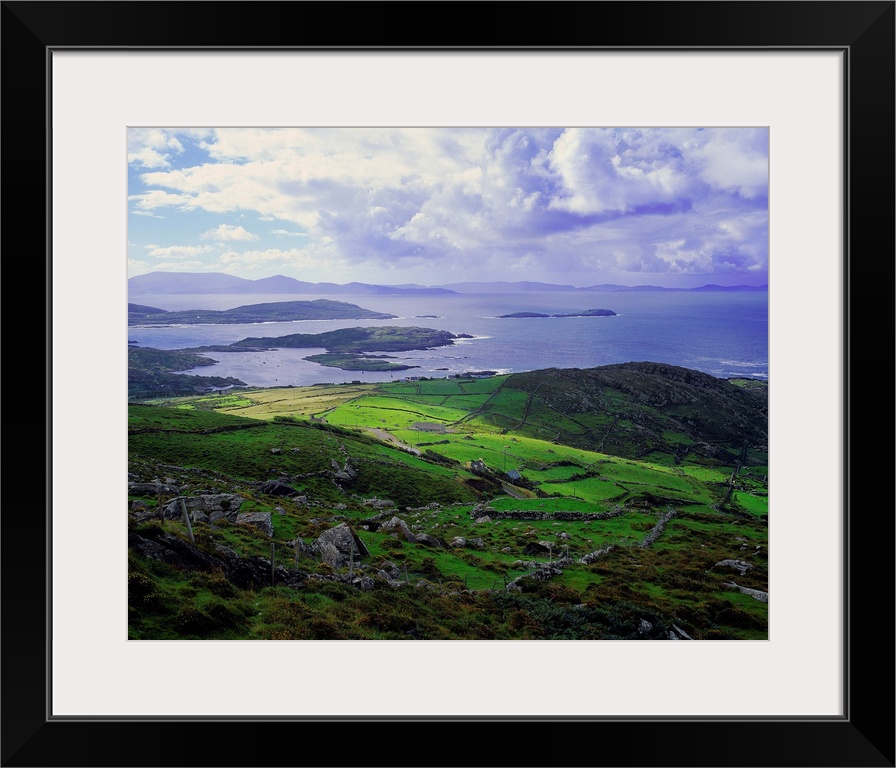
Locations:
{"points": [[183, 508], [351, 561]]}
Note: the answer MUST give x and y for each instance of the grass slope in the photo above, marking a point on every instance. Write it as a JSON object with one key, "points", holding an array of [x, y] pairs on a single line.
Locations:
{"points": [[414, 449]]}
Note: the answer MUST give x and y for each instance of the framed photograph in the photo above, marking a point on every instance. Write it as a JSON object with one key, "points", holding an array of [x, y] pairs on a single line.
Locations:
{"points": [[723, 154]]}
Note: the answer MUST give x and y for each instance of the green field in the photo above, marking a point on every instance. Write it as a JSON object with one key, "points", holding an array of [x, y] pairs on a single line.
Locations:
{"points": [[362, 454]]}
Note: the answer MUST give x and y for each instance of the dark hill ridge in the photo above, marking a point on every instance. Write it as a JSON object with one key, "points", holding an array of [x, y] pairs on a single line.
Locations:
{"points": [[660, 384], [632, 409], [141, 311], [276, 311], [151, 373]]}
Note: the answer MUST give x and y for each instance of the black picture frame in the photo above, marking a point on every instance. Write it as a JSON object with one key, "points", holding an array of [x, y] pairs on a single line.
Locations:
{"points": [[864, 736]]}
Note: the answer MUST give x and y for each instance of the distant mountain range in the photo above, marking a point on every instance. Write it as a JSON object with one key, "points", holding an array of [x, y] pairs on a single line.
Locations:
{"points": [[526, 286], [217, 282]]}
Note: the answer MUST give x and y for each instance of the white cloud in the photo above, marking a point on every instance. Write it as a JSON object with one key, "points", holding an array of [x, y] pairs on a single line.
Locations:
{"points": [[152, 147], [602, 170], [679, 258], [137, 267], [227, 233], [736, 161], [315, 263], [291, 257], [583, 198], [149, 201], [180, 266], [177, 251], [299, 175]]}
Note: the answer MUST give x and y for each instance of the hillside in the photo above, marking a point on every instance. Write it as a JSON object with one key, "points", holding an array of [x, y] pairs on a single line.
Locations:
{"points": [[510, 507], [641, 410], [150, 373]]}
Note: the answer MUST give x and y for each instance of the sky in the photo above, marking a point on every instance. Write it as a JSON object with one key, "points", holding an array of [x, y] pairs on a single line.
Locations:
{"points": [[677, 207]]}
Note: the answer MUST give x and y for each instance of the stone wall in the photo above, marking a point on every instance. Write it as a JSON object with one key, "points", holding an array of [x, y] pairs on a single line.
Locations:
{"points": [[528, 514], [658, 529]]}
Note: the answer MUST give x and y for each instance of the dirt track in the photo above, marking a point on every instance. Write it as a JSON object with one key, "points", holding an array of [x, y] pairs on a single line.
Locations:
{"points": [[390, 438]]}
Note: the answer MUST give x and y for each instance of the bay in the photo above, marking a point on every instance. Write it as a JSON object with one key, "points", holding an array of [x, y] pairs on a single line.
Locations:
{"points": [[724, 334]]}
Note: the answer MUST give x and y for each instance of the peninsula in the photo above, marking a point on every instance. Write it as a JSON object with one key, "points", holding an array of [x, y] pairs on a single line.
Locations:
{"points": [[278, 311]]}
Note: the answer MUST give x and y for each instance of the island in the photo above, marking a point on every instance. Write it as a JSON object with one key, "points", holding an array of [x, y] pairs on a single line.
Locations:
{"points": [[348, 361], [346, 348], [277, 311], [586, 313]]}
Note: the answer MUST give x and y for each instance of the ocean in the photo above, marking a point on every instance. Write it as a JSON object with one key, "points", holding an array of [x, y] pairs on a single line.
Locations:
{"points": [[724, 334]]}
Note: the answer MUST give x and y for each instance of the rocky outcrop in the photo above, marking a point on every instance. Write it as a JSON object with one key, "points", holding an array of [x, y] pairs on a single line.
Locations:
{"points": [[300, 546], [461, 542], [378, 503], [756, 594], [276, 488], [155, 488], [740, 566], [390, 572], [398, 528], [682, 635], [243, 572], [207, 508], [344, 474], [340, 546], [260, 520]]}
